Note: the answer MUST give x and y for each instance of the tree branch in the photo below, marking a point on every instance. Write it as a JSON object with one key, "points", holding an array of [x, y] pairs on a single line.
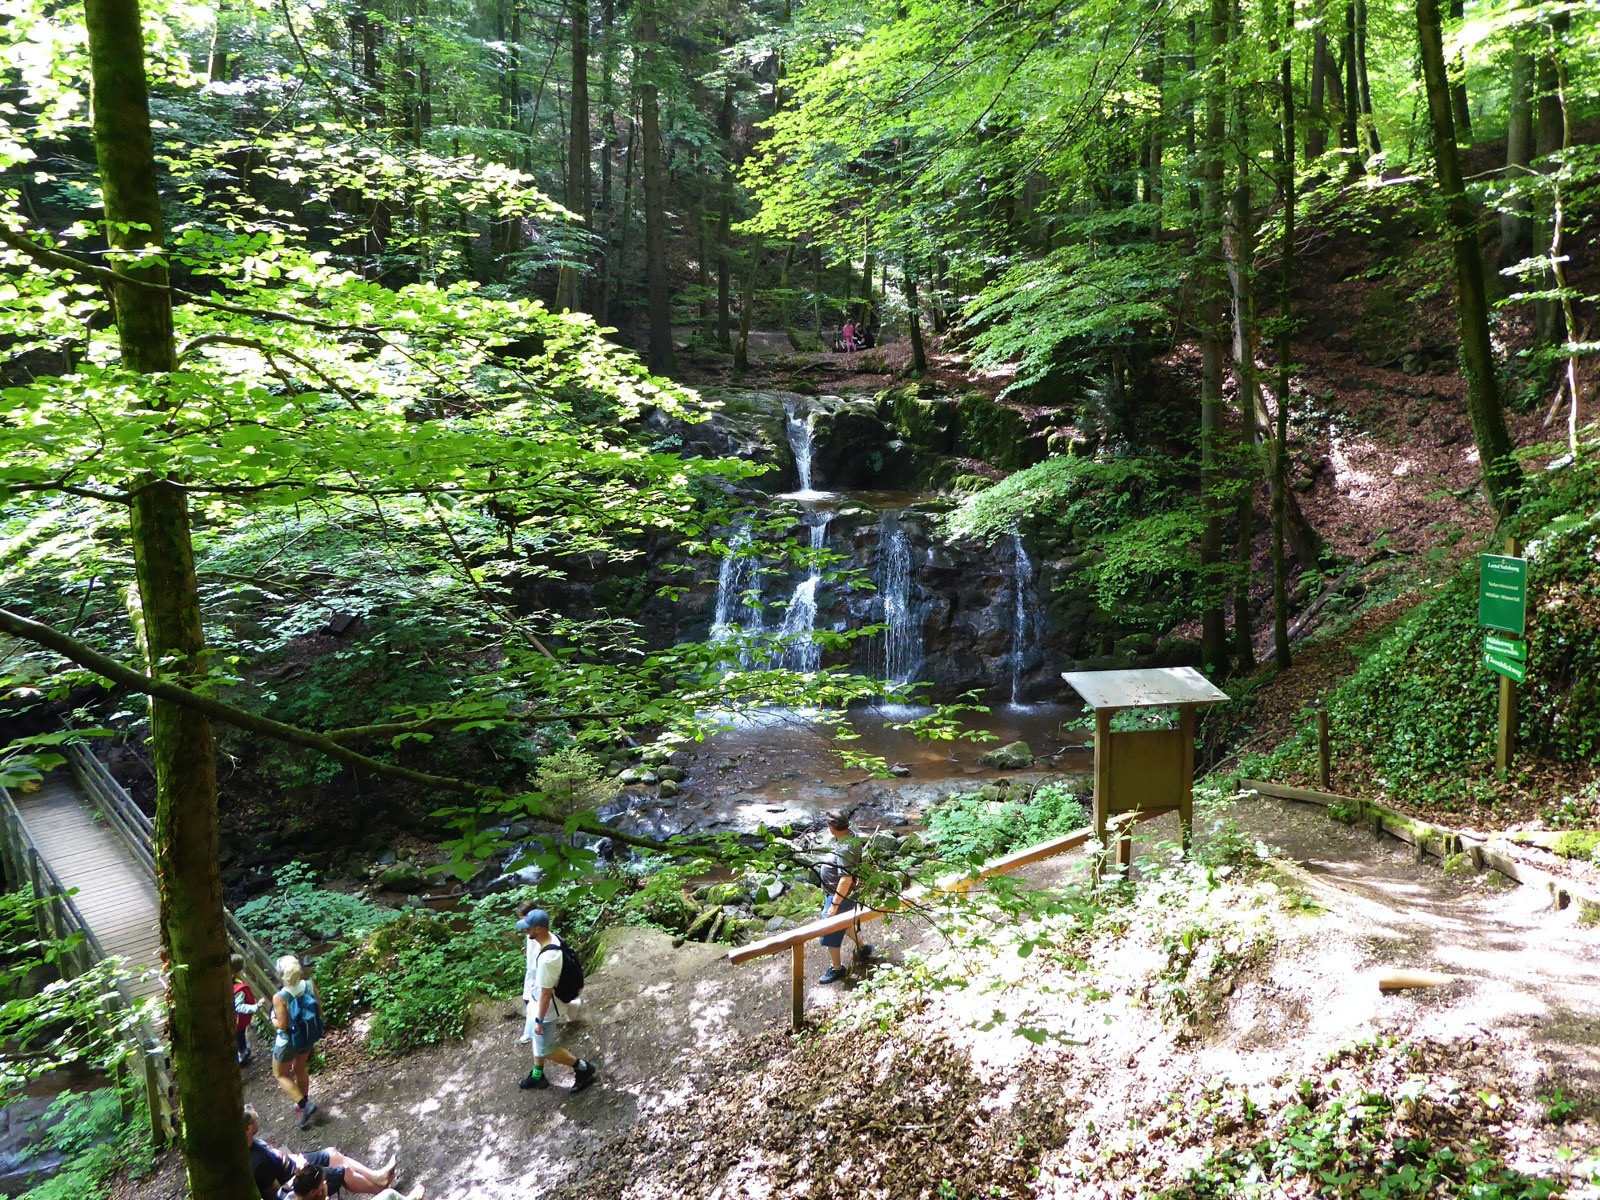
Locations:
{"points": [[108, 668]]}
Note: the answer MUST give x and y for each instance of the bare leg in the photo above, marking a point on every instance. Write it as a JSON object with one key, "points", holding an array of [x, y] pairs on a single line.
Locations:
{"points": [[284, 1073], [359, 1177], [302, 1076]]}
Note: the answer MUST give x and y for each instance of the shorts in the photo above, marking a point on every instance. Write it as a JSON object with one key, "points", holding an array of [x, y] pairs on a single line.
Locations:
{"points": [[281, 1051], [334, 1175], [834, 940], [546, 1041]]}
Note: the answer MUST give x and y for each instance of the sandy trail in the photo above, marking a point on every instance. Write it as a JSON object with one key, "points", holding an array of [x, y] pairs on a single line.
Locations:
{"points": [[666, 1024]]}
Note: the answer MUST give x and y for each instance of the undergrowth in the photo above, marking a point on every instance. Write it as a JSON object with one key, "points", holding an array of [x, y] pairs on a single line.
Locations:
{"points": [[970, 827]]}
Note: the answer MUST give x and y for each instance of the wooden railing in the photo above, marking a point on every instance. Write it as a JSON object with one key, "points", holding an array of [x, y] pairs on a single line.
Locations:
{"points": [[138, 832], [58, 920], [794, 940]]}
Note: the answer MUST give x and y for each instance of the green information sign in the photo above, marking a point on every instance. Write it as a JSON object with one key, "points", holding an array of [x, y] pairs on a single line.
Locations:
{"points": [[1514, 671], [1502, 592], [1504, 647]]}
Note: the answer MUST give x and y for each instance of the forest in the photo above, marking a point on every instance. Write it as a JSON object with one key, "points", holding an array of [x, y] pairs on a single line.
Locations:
{"points": [[653, 465]]}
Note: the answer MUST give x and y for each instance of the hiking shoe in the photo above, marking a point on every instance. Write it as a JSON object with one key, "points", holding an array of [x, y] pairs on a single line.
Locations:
{"points": [[307, 1113], [832, 975], [530, 1080], [583, 1075]]}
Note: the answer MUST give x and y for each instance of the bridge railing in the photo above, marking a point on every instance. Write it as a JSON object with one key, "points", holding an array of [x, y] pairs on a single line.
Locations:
{"points": [[60, 919], [138, 831]]}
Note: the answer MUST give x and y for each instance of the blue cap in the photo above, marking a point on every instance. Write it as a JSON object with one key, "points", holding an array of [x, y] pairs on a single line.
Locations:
{"points": [[537, 919]]}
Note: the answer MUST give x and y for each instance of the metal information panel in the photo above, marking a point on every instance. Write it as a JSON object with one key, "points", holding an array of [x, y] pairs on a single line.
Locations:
{"points": [[1502, 592]]}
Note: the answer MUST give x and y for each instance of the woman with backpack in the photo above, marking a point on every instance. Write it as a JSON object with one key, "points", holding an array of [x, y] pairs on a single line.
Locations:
{"points": [[298, 1020]]}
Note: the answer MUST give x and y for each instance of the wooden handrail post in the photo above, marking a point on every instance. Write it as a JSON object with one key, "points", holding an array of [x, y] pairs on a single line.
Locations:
{"points": [[1324, 750], [797, 987]]}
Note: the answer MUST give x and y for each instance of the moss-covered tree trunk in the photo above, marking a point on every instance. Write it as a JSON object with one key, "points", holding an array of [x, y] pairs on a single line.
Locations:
{"points": [[1502, 476], [199, 1019], [919, 351], [1213, 346]]}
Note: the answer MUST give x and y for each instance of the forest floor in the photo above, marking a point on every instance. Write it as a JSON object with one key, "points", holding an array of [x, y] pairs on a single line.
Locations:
{"points": [[1080, 1070]]}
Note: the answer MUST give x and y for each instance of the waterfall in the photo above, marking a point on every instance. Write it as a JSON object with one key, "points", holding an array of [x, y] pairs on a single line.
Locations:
{"points": [[800, 651], [1024, 615], [738, 581], [798, 429], [902, 644]]}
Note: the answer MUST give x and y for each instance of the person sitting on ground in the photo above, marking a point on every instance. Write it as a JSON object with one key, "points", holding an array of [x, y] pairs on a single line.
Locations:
{"points": [[244, 1007], [312, 1182], [273, 1168], [838, 873], [547, 1014], [865, 338]]}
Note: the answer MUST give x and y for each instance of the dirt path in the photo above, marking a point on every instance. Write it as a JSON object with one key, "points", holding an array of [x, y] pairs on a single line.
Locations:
{"points": [[675, 1029]]}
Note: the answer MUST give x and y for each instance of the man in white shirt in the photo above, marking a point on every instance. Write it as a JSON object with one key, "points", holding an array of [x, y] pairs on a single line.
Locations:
{"points": [[547, 1015]]}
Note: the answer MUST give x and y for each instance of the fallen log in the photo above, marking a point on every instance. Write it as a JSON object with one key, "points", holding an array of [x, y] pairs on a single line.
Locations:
{"points": [[1404, 979]]}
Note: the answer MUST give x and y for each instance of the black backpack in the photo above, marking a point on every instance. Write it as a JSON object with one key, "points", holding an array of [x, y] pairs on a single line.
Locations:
{"points": [[305, 1019], [570, 984]]}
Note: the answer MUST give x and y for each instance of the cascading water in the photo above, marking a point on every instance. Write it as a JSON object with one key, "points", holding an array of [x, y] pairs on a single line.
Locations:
{"points": [[902, 644], [800, 650], [1024, 618], [738, 582], [797, 428]]}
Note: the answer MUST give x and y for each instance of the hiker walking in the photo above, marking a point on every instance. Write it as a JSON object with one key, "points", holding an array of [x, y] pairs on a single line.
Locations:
{"points": [[298, 1020], [838, 874], [244, 1008], [550, 988]]}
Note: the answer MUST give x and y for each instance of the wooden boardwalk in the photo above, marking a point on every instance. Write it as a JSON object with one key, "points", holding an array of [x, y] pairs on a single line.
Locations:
{"points": [[116, 897]]}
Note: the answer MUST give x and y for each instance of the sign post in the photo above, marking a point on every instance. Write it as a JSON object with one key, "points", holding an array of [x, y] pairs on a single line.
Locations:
{"points": [[1503, 605]]}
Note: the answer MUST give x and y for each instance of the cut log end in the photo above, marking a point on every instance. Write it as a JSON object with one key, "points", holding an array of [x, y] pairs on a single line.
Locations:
{"points": [[1403, 980]]}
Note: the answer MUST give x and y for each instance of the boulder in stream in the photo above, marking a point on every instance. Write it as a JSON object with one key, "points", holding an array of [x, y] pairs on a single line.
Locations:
{"points": [[1013, 756]]}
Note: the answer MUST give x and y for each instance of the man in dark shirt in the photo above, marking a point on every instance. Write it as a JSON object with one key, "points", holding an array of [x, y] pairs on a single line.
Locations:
{"points": [[273, 1168]]}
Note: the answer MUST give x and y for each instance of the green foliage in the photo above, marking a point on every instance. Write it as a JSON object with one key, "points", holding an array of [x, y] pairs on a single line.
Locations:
{"points": [[93, 1131], [60, 1021], [1341, 1138], [297, 914], [1051, 313], [969, 827], [1094, 495]]}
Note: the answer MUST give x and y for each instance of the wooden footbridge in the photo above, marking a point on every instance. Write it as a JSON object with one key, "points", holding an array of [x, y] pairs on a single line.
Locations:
{"points": [[80, 840]]}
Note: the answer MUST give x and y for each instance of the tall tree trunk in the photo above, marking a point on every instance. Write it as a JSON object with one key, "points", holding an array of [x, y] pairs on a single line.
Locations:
{"points": [[1285, 343], [1240, 249], [1156, 149], [725, 224], [608, 154], [1460, 111], [655, 197], [1516, 226], [919, 352], [1547, 323], [1367, 125], [569, 285], [1351, 97], [1213, 570], [1502, 476], [1316, 111], [200, 1011], [747, 307]]}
